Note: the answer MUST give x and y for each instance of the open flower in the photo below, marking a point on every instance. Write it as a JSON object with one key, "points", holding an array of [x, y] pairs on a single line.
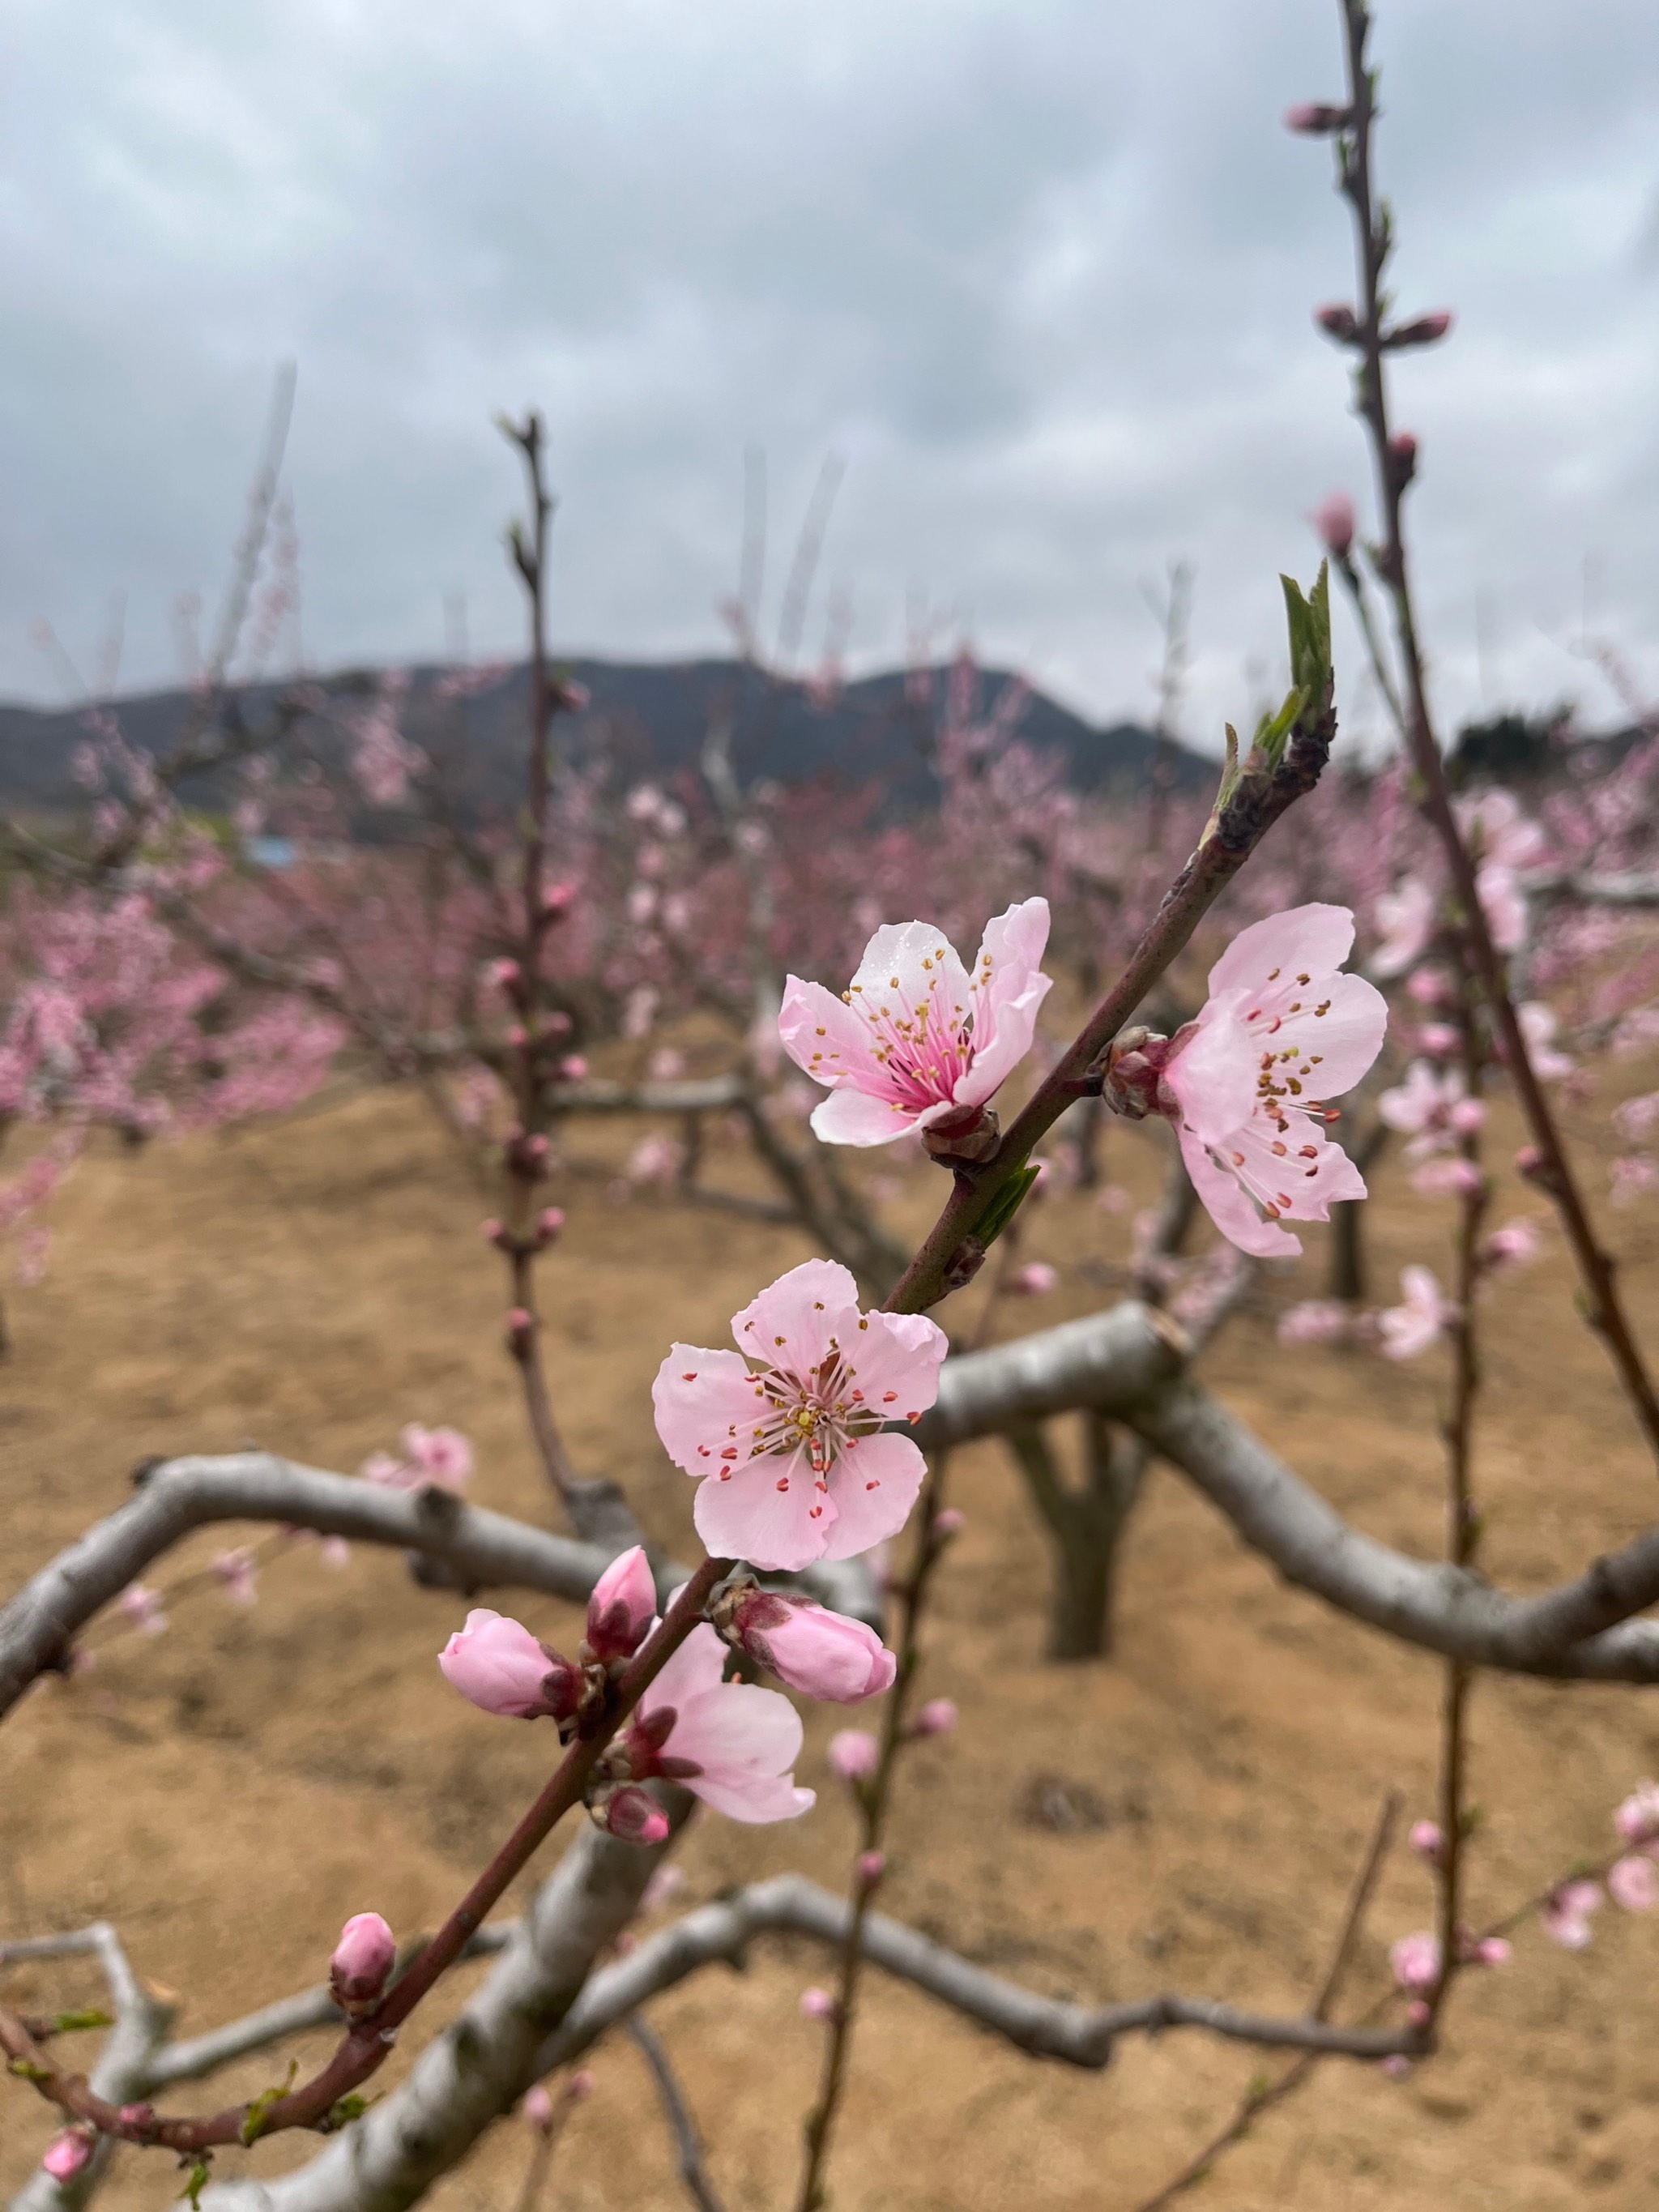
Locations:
{"points": [[1282, 1031], [917, 1042], [1413, 1326], [732, 1745], [795, 1460], [1566, 1913], [441, 1457]]}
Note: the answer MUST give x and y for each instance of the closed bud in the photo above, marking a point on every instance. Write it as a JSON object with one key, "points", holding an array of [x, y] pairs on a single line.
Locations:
{"points": [[363, 1959], [949, 1523], [633, 1816], [872, 1867], [622, 1607], [937, 1717], [497, 1665], [1402, 458], [1334, 520], [854, 1754], [1132, 1076], [1427, 1841], [549, 1224], [579, 2085], [821, 1653], [1423, 330], [1337, 322], [537, 2109], [573, 1068], [1317, 118], [67, 2154]]}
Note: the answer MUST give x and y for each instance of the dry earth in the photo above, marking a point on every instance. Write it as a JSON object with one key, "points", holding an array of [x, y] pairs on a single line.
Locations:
{"points": [[228, 1793]]}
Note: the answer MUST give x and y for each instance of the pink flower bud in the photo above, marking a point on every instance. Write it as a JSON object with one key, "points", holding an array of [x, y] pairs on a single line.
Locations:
{"points": [[1528, 1161], [1316, 119], [573, 697], [854, 1754], [1333, 519], [1427, 1841], [1396, 2065], [67, 2154], [948, 1523], [1416, 1962], [550, 1222], [1424, 330], [622, 1607], [1337, 322], [498, 1665], [559, 899], [490, 1230], [1417, 2014], [821, 1653], [517, 1037], [1034, 1281], [505, 975], [1439, 1040], [1633, 1884], [573, 1068], [634, 1816], [937, 1717], [579, 2085], [363, 1957], [1466, 1116], [818, 2004], [137, 2115], [1402, 457], [1637, 1819], [873, 1864], [537, 2109]]}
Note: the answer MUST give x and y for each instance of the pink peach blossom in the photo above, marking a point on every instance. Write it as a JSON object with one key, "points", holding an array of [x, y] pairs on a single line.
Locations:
{"points": [[633, 1815], [731, 1744], [1315, 1321], [854, 1754], [535, 2109], [1633, 1883], [1452, 1177], [1566, 1913], [818, 2004], [1427, 1840], [1416, 1962], [820, 1654], [497, 1665], [622, 1607], [143, 1608], [1034, 1281], [1514, 1245], [1413, 1326], [239, 1574], [1333, 517], [793, 1456], [440, 1456], [916, 1041], [1637, 1819], [1282, 1030], [937, 1717], [1406, 917], [1538, 1028]]}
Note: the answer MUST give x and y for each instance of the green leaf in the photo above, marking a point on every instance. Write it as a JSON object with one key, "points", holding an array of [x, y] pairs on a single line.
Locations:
{"points": [[1006, 1203], [200, 2175], [70, 2023], [258, 2113]]}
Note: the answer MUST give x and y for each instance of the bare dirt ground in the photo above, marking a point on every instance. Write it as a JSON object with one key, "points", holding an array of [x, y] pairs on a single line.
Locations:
{"points": [[230, 1792]]}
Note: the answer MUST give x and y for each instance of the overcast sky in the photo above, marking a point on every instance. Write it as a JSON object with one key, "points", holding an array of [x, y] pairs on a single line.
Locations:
{"points": [[1040, 270]]}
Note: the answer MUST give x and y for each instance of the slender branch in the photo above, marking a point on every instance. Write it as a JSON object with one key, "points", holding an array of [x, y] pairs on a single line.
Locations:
{"points": [[1373, 240], [369, 2039], [1261, 2097], [687, 2143]]}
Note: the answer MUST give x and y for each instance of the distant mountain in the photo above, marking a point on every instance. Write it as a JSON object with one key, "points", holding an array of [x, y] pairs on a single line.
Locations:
{"points": [[651, 717]]}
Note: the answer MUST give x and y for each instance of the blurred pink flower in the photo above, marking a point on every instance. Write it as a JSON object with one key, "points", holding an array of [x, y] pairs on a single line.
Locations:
{"points": [[1566, 1913], [1406, 917], [440, 1456], [1315, 1321], [1034, 1281], [1633, 1883], [1427, 1840], [937, 1717], [1415, 1960], [237, 1571], [794, 1460], [1451, 1177], [1412, 1328], [1333, 517], [818, 2004], [916, 1042], [67, 2154], [1513, 1245], [1538, 1028], [143, 1607], [854, 1754], [1637, 1819]]}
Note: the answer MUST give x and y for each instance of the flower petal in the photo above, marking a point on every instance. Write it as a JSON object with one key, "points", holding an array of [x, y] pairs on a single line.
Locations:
{"points": [[872, 1484], [1317, 938], [797, 1322], [824, 1037], [859, 1117], [770, 1511], [1230, 1206], [703, 1401], [895, 1365]]}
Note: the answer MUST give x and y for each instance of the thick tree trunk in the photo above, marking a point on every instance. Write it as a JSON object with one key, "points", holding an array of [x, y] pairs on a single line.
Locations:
{"points": [[1085, 1524]]}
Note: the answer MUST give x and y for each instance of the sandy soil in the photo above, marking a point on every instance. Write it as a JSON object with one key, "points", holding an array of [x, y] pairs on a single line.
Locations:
{"points": [[228, 1793]]}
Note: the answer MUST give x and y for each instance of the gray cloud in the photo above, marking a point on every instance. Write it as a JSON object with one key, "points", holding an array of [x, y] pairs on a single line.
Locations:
{"points": [[1042, 270]]}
